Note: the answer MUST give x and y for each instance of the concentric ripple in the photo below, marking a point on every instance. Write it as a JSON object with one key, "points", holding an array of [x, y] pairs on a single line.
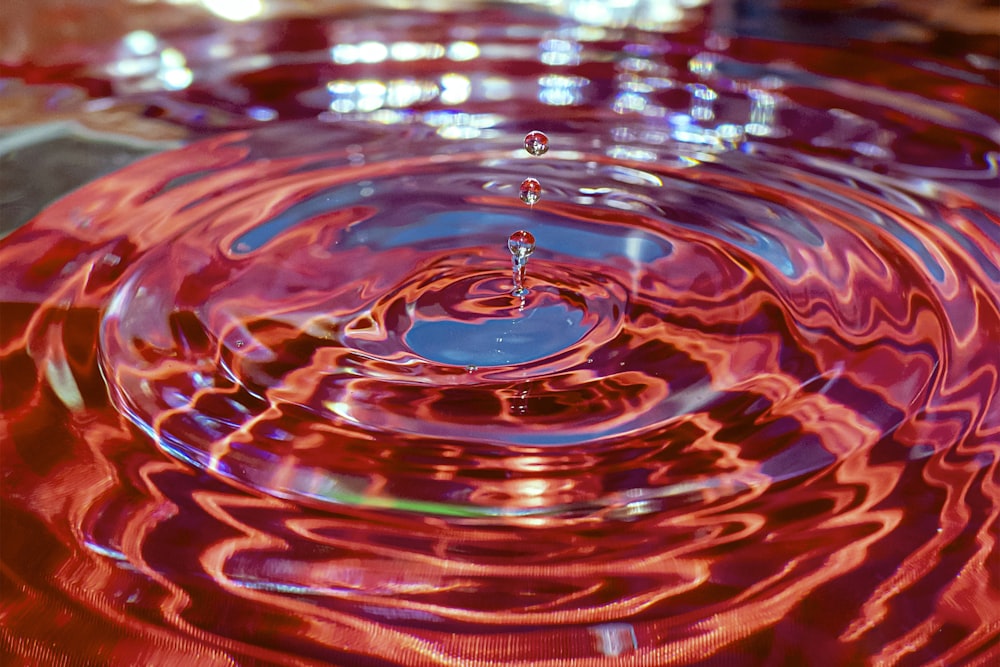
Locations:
{"points": [[304, 332], [272, 398]]}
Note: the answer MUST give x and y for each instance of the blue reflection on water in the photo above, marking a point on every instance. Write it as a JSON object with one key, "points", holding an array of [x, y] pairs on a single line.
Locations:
{"points": [[540, 331]]}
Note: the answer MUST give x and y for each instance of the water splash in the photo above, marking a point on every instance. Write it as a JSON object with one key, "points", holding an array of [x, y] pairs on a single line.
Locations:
{"points": [[521, 244]]}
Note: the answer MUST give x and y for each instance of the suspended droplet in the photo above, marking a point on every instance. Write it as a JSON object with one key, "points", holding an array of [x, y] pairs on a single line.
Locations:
{"points": [[521, 244], [536, 143], [531, 191]]}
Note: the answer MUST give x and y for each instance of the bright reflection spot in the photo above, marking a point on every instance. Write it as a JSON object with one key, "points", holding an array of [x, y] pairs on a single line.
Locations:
{"points": [[171, 58], [622, 133], [372, 52], [703, 92], [386, 117], [560, 52], [594, 12], [703, 64], [456, 125], [371, 94], [634, 176], [235, 10], [532, 487], [407, 93], [636, 85], [614, 639], [373, 91], [173, 70], [632, 153], [692, 134], [629, 102], [340, 87], [410, 51], [365, 52], [659, 13], [459, 132], [343, 98], [702, 98], [597, 15], [871, 150], [639, 508], [762, 106], [132, 67], [405, 51], [730, 134], [461, 51], [340, 408], [635, 65], [140, 42], [344, 54], [455, 88], [61, 379], [646, 14], [452, 118], [557, 90], [262, 113]]}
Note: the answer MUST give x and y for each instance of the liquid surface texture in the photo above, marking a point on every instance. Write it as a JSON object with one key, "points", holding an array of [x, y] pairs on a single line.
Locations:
{"points": [[275, 396]]}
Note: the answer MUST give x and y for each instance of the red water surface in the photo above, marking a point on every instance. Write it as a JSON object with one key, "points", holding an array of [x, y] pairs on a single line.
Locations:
{"points": [[775, 440]]}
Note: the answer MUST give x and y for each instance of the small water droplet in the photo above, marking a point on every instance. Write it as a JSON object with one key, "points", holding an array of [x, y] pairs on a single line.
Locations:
{"points": [[536, 143], [531, 191], [521, 244]]}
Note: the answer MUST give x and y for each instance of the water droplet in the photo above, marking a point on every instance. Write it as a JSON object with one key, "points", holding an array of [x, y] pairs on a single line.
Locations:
{"points": [[521, 244], [531, 191], [536, 143]]}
